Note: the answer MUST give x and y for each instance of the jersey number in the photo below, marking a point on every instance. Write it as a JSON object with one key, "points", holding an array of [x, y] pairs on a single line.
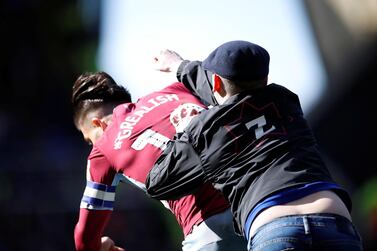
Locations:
{"points": [[150, 137], [259, 122]]}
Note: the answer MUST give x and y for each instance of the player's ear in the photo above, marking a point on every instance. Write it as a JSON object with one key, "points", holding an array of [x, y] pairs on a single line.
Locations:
{"points": [[216, 80], [96, 122]]}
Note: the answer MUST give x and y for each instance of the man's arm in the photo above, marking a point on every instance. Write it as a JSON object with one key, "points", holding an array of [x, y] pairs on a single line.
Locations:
{"points": [[190, 73], [176, 173]]}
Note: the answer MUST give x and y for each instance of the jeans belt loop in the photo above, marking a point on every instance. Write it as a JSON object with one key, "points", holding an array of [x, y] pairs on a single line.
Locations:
{"points": [[306, 225]]}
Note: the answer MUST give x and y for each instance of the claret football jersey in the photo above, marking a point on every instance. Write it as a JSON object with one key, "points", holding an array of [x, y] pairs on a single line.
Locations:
{"points": [[133, 142]]}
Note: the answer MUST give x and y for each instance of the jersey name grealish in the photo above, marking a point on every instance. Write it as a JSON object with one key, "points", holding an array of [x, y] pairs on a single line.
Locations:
{"points": [[126, 127], [131, 144]]}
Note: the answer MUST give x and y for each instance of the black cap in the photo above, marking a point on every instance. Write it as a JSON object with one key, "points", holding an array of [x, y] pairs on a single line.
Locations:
{"points": [[239, 61]]}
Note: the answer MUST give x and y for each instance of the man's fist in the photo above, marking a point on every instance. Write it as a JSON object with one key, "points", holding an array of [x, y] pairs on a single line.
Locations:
{"points": [[167, 61]]}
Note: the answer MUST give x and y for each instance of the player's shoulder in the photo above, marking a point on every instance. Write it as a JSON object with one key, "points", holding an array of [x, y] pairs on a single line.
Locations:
{"points": [[175, 87], [121, 109]]}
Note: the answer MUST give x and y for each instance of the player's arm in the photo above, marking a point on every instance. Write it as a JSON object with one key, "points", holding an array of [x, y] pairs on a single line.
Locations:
{"points": [[177, 172], [96, 205], [190, 73], [95, 211], [89, 229]]}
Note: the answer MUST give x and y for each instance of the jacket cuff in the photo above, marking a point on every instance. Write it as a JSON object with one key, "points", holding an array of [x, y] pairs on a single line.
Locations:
{"points": [[180, 69]]}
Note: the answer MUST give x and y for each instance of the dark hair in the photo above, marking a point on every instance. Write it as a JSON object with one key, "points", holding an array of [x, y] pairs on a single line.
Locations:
{"points": [[96, 90]]}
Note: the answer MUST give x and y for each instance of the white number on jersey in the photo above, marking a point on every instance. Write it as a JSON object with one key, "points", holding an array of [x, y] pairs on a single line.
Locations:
{"points": [[259, 122], [150, 137]]}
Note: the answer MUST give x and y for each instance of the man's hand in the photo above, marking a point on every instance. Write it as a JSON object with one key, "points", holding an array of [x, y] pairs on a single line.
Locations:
{"points": [[107, 244], [167, 61]]}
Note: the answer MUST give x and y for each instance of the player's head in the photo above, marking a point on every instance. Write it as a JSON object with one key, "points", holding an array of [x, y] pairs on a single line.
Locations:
{"points": [[237, 66], [94, 96]]}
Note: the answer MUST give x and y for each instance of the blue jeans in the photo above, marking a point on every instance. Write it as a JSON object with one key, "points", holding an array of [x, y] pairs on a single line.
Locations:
{"points": [[215, 234], [323, 232]]}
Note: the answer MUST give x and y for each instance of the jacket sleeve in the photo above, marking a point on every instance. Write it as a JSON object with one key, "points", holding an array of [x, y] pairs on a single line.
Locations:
{"points": [[197, 80], [176, 173]]}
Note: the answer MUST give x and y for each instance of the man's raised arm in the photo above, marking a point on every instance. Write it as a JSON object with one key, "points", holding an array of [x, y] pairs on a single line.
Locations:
{"points": [[190, 73]]}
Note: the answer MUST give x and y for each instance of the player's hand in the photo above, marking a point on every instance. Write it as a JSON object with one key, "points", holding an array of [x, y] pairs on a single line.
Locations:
{"points": [[107, 244], [167, 61]]}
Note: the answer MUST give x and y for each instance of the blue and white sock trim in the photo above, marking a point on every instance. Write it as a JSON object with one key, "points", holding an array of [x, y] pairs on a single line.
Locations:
{"points": [[98, 196]]}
